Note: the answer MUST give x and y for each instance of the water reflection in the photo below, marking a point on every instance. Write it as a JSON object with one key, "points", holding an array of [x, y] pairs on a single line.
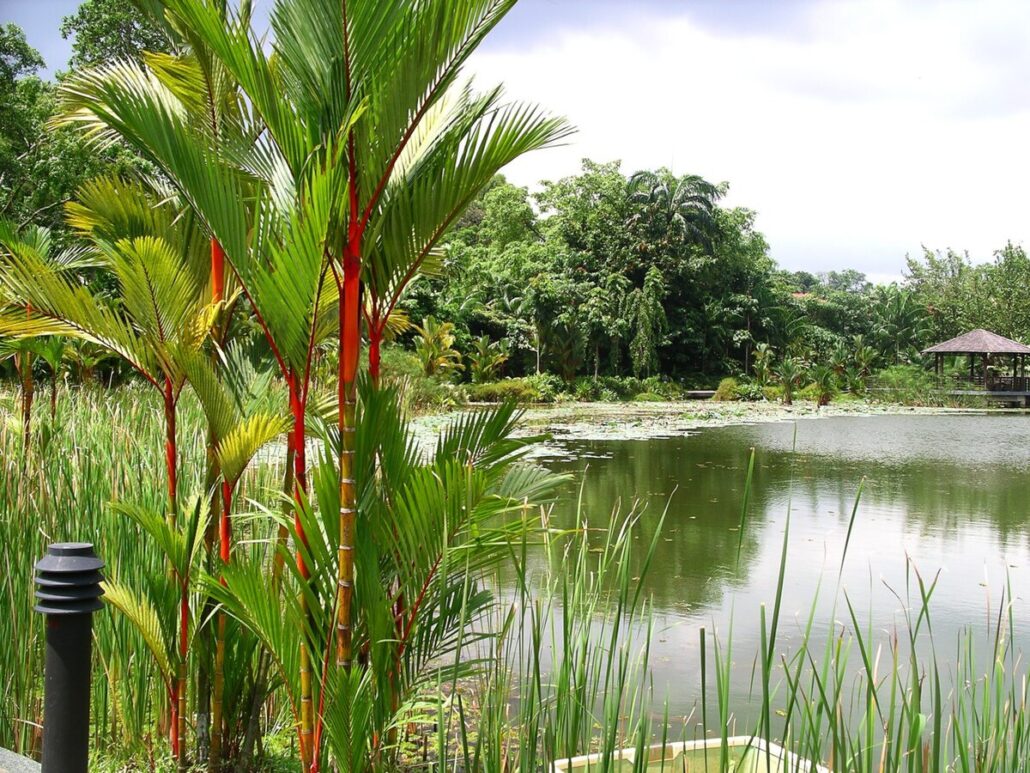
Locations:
{"points": [[949, 493]]}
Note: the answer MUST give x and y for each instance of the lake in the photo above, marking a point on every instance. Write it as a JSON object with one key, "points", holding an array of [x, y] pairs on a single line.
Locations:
{"points": [[945, 495]]}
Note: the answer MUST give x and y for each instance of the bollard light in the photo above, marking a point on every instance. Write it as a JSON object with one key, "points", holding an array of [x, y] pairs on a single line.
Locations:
{"points": [[68, 592]]}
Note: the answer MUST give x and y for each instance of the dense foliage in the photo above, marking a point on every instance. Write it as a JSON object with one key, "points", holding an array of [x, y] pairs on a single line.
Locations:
{"points": [[602, 274]]}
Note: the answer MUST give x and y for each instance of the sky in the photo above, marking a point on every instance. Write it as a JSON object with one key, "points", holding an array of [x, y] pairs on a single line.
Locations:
{"points": [[858, 130]]}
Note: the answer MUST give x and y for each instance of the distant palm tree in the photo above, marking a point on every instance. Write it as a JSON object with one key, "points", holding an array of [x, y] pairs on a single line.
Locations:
{"points": [[825, 379], [487, 358], [34, 243], [686, 205], [901, 323], [789, 374], [435, 347]]}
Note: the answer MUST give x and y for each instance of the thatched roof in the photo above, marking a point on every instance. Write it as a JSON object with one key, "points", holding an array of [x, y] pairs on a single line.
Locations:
{"points": [[979, 342]]}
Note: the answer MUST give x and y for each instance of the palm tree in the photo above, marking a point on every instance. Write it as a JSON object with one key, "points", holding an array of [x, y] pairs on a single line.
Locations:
{"points": [[155, 255], [487, 358], [435, 347], [901, 323], [789, 374], [366, 150], [235, 400], [34, 243], [824, 377], [685, 206]]}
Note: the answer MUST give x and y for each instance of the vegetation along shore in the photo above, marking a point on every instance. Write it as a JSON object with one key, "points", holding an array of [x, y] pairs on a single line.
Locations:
{"points": [[396, 464]]}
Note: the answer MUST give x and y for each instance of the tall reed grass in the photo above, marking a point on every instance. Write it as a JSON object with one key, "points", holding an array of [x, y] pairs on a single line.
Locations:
{"points": [[569, 670]]}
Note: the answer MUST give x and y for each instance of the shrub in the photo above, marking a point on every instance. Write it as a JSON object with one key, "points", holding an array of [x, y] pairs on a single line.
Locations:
{"points": [[750, 392], [549, 386], [519, 390], [726, 391], [419, 393], [545, 388], [669, 390], [648, 397], [909, 384], [772, 393], [808, 392]]}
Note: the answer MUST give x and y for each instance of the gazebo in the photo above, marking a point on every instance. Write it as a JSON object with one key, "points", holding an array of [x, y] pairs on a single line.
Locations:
{"points": [[989, 350]]}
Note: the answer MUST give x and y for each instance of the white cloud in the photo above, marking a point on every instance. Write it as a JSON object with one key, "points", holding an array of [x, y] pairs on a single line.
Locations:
{"points": [[858, 132]]}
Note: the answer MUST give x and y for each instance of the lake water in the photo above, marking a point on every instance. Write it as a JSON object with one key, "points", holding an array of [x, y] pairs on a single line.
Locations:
{"points": [[947, 494]]}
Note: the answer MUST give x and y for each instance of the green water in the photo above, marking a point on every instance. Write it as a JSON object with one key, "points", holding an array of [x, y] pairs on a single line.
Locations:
{"points": [[949, 494]]}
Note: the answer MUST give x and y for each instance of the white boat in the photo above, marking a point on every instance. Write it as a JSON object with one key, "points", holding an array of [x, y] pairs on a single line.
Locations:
{"points": [[747, 754]]}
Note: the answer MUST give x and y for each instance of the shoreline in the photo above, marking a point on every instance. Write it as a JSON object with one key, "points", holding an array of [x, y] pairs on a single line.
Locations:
{"points": [[644, 421]]}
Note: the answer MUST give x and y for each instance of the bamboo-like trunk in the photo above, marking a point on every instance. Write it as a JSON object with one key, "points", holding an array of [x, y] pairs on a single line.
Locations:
{"points": [[178, 697], [205, 740], [350, 343], [250, 737], [307, 713], [224, 555], [171, 453], [375, 355], [217, 271], [184, 619], [28, 391]]}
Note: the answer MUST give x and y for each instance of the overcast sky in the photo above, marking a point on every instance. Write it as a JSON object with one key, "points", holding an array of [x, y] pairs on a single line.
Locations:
{"points": [[858, 130]]}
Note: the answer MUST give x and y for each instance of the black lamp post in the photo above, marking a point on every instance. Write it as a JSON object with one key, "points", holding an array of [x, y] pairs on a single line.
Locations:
{"points": [[68, 593]]}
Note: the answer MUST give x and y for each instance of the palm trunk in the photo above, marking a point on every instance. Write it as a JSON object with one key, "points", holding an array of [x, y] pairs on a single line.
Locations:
{"points": [[261, 680], [204, 697], [217, 271], [224, 554], [350, 343], [171, 453], [307, 714], [178, 698], [375, 343], [184, 619], [28, 390], [53, 400]]}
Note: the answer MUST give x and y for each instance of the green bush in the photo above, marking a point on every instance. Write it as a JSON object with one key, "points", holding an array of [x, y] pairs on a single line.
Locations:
{"points": [[908, 384], [750, 392], [772, 393], [528, 389], [648, 397], [808, 392], [420, 393], [726, 391]]}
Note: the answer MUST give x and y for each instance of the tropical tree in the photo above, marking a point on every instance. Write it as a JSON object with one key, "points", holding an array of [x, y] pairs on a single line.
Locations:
{"points": [[487, 359], [155, 255], [789, 373], [649, 323], [435, 347], [681, 208], [33, 243], [366, 151], [825, 379], [900, 323], [762, 364]]}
